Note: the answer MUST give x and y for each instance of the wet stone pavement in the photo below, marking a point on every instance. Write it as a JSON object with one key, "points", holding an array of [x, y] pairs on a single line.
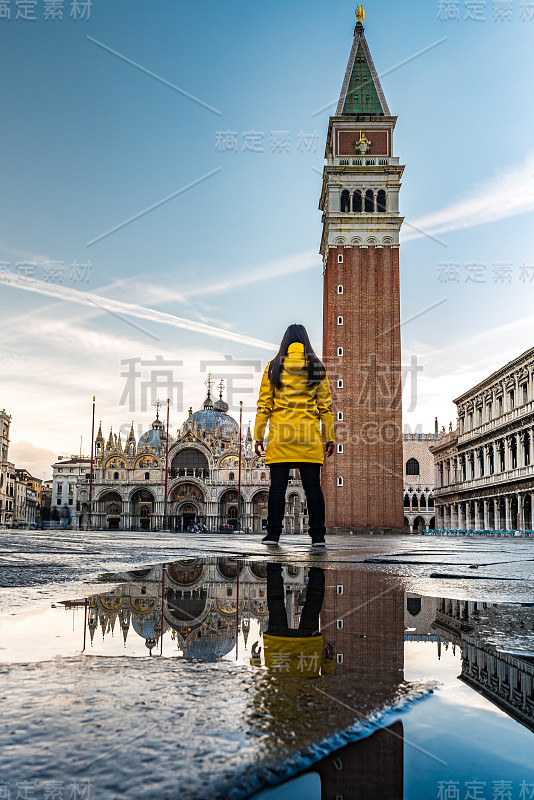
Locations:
{"points": [[164, 667]]}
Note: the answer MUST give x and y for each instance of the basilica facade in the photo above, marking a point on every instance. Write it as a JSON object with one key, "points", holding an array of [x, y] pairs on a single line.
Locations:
{"points": [[128, 491]]}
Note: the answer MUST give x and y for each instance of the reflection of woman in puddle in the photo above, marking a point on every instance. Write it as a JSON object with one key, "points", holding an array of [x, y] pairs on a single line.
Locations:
{"points": [[294, 651]]}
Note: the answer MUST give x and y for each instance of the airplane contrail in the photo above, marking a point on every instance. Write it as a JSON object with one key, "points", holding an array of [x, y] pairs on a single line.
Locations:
{"points": [[117, 307]]}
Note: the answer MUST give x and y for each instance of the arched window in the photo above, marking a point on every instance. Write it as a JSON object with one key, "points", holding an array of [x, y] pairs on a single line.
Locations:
{"points": [[190, 458], [406, 501], [340, 383], [340, 448], [381, 201], [340, 351], [115, 476], [412, 466], [413, 605], [340, 258], [340, 481], [357, 202], [369, 201], [231, 477], [147, 476], [340, 289], [340, 416], [422, 503], [345, 200], [340, 320]]}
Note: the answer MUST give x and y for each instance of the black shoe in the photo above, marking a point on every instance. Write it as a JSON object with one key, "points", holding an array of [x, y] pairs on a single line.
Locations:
{"points": [[318, 542], [270, 539]]}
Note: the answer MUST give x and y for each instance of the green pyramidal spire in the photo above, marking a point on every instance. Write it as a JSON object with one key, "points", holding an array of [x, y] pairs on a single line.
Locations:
{"points": [[361, 92]]}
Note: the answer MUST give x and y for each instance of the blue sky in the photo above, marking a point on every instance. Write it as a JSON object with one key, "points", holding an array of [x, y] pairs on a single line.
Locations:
{"points": [[90, 141]]}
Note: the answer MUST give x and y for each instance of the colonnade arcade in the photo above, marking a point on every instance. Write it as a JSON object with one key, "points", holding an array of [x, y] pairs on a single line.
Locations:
{"points": [[508, 511]]}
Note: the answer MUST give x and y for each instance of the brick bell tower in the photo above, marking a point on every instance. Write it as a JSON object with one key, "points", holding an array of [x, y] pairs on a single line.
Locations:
{"points": [[363, 481]]}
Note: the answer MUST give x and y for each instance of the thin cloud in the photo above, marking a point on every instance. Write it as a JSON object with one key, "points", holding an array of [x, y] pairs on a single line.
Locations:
{"points": [[247, 276], [505, 195], [130, 309]]}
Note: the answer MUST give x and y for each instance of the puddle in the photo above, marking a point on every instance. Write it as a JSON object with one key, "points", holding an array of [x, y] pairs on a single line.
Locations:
{"points": [[225, 677]]}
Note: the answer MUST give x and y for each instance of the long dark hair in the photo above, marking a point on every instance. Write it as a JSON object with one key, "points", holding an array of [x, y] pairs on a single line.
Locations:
{"points": [[316, 370]]}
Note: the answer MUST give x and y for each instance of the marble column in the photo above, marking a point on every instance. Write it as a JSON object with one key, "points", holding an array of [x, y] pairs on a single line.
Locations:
{"points": [[477, 525], [507, 454], [519, 450], [486, 514], [507, 513], [521, 512]]}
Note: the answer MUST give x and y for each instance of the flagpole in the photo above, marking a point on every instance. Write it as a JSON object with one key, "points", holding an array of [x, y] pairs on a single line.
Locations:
{"points": [[239, 469], [165, 522], [91, 474], [237, 613]]}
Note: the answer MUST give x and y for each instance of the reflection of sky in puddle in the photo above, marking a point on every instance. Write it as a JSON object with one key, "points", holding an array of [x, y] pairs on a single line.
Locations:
{"points": [[376, 646]]}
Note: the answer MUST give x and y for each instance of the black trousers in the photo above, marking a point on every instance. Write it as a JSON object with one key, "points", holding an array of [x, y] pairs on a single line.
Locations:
{"points": [[311, 481], [309, 618]]}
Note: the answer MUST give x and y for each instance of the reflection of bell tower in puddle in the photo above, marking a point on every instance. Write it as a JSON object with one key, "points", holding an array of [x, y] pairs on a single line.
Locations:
{"points": [[363, 627]]}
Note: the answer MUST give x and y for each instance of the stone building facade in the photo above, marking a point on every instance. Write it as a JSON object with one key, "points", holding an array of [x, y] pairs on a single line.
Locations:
{"points": [[495, 661], [7, 474], [26, 499], [203, 478], [484, 469], [67, 473], [361, 303], [418, 481]]}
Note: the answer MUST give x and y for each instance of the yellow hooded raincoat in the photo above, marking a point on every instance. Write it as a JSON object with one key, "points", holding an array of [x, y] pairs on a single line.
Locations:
{"points": [[295, 413]]}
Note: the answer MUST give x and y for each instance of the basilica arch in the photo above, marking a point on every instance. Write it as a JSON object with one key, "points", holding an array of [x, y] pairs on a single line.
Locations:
{"points": [[190, 461], [293, 516], [108, 511], [142, 509], [187, 505], [229, 509], [259, 510]]}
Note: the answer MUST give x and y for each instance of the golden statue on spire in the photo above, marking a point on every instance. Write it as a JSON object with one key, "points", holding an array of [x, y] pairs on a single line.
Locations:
{"points": [[360, 14]]}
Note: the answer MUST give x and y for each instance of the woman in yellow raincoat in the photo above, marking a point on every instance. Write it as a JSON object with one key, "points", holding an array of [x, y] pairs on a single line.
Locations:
{"points": [[295, 400]]}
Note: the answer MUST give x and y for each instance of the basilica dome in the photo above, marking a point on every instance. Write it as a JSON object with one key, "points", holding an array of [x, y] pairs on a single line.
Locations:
{"points": [[213, 416], [210, 646], [155, 437]]}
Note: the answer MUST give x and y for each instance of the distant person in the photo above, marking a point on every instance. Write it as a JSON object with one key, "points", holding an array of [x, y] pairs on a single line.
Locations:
{"points": [[295, 400], [65, 517]]}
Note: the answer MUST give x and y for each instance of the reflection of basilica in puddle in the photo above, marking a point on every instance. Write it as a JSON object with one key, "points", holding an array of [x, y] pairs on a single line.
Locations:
{"points": [[200, 606]]}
